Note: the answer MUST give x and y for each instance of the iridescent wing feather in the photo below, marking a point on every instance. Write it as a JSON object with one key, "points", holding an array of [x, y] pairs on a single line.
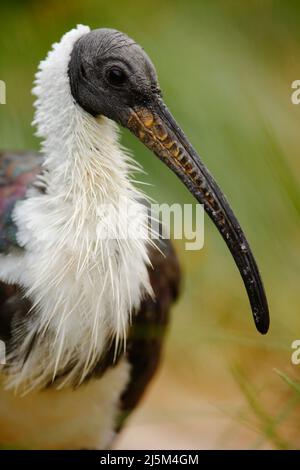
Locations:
{"points": [[18, 171]]}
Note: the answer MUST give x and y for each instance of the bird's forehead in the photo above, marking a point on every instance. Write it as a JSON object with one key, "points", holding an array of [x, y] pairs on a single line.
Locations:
{"points": [[107, 43]]}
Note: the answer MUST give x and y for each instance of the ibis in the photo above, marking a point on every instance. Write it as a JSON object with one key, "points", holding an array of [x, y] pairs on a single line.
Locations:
{"points": [[83, 316]]}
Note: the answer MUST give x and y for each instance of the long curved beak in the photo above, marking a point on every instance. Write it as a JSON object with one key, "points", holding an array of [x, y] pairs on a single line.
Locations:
{"points": [[158, 130]]}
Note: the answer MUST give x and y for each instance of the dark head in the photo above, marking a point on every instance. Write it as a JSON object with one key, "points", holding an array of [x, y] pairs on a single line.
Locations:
{"points": [[111, 75]]}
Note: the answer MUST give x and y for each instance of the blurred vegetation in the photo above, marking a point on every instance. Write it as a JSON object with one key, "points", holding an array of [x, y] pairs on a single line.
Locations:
{"points": [[226, 69]]}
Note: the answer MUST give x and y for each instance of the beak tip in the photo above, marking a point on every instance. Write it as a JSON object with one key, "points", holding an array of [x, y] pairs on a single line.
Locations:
{"points": [[263, 330], [262, 324]]}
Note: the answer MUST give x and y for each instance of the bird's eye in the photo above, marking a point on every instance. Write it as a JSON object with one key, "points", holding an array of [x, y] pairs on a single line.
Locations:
{"points": [[116, 76]]}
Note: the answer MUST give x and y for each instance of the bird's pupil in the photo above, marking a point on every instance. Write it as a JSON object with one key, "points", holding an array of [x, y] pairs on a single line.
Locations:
{"points": [[116, 76]]}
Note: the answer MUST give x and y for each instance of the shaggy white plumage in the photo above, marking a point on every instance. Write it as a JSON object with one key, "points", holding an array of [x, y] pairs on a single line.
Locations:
{"points": [[83, 275]]}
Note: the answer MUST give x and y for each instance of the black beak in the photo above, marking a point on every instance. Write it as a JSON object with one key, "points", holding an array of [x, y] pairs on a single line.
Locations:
{"points": [[158, 130]]}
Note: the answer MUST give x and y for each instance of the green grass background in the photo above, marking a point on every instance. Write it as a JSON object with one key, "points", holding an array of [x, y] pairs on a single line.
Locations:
{"points": [[226, 69]]}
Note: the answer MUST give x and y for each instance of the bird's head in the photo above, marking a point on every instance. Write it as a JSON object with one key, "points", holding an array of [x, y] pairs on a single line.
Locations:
{"points": [[111, 75]]}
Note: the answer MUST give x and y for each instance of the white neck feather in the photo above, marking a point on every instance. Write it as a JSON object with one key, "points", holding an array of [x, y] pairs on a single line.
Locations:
{"points": [[83, 287]]}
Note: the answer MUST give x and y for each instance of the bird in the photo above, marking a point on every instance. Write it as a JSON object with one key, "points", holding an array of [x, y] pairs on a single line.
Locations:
{"points": [[83, 316]]}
